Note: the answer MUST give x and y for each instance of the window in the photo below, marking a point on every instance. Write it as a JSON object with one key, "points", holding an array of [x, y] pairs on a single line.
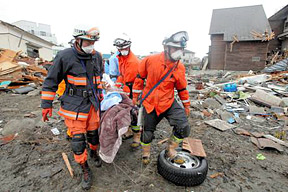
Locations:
{"points": [[42, 33], [32, 51], [255, 59]]}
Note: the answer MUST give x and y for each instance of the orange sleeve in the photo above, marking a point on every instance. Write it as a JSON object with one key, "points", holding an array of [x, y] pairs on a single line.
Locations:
{"points": [[139, 81], [181, 85], [119, 81]]}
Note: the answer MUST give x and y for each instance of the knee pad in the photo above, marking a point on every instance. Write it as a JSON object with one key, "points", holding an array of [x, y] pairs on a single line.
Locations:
{"points": [[93, 137], [147, 137], [181, 132], [78, 144]]}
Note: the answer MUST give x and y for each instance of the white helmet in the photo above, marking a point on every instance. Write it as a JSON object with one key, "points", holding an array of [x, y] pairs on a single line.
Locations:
{"points": [[178, 39], [86, 33], [123, 41]]}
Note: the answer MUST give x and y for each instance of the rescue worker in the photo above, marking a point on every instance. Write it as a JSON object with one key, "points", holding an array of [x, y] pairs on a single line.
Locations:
{"points": [[128, 65], [161, 103], [111, 66], [81, 68]]}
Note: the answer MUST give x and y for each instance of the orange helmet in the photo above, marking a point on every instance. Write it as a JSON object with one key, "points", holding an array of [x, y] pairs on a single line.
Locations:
{"points": [[92, 34]]}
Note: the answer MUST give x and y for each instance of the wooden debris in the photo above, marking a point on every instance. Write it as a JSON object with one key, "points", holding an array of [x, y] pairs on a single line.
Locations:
{"points": [[235, 39], [263, 36], [66, 160], [14, 67], [162, 141], [194, 146], [219, 174]]}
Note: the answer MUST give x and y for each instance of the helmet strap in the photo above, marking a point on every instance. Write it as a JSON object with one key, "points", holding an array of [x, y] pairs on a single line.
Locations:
{"points": [[80, 45]]}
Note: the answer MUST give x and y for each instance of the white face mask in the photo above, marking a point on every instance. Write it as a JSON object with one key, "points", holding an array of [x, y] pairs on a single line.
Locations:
{"points": [[89, 49], [177, 55], [124, 52]]}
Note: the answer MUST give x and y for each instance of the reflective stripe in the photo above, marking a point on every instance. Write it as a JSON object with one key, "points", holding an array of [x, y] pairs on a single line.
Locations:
{"points": [[145, 143], [136, 91], [185, 101], [48, 95], [118, 83], [77, 80], [72, 115], [176, 139], [135, 128]]}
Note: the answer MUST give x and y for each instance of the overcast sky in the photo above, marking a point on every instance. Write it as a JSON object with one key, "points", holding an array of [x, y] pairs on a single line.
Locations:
{"points": [[147, 22]]}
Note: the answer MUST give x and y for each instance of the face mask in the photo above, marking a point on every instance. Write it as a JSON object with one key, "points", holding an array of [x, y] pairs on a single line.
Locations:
{"points": [[89, 49], [124, 53], [177, 55]]}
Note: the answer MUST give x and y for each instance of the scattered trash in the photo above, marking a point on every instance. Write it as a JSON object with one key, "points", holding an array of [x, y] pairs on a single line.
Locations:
{"points": [[6, 139], [219, 124], [230, 87], [55, 131], [260, 156], [23, 90]]}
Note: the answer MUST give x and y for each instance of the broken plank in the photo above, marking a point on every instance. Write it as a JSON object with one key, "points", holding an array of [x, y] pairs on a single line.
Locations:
{"points": [[66, 160]]}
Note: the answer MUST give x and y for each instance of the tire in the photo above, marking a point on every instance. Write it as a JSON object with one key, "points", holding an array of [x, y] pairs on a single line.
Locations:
{"points": [[192, 173]]}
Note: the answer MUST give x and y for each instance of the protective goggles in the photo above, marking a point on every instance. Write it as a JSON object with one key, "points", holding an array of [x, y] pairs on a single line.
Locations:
{"points": [[179, 37], [120, 43], [94, 35]]}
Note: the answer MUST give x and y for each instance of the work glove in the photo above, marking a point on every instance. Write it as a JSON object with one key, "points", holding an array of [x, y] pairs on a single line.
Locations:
{"points": [[187, 111], [45, 113]]}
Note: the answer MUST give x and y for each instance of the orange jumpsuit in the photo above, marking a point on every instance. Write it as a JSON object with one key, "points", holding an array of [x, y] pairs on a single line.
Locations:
{"points": [[128, 66]]}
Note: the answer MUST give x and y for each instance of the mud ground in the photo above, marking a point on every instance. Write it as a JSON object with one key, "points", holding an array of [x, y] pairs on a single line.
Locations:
{"points": [[33, 160]]}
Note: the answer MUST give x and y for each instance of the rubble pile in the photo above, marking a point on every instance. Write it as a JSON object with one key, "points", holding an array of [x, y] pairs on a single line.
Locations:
{"points": [[17, 70], [254, 105]]}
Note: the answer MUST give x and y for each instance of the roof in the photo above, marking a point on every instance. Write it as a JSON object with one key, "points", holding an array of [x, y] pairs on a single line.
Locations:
{"points": [[280, 15], [239, 21], [26, 32]]}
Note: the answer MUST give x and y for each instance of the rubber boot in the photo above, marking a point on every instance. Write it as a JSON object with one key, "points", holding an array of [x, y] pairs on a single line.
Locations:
{"points": [[172, 153], [86, 176], [146, 153], [136, 140], [94, 154]]}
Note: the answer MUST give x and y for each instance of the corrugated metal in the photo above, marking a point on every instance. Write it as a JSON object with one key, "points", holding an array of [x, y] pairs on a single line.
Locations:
{"points": [[239, 21], [279, 66]]}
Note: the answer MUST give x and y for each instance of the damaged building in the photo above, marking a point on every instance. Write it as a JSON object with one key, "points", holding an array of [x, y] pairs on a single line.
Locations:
{"points": [[279, 24], [239, 38], [17, 39]]}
